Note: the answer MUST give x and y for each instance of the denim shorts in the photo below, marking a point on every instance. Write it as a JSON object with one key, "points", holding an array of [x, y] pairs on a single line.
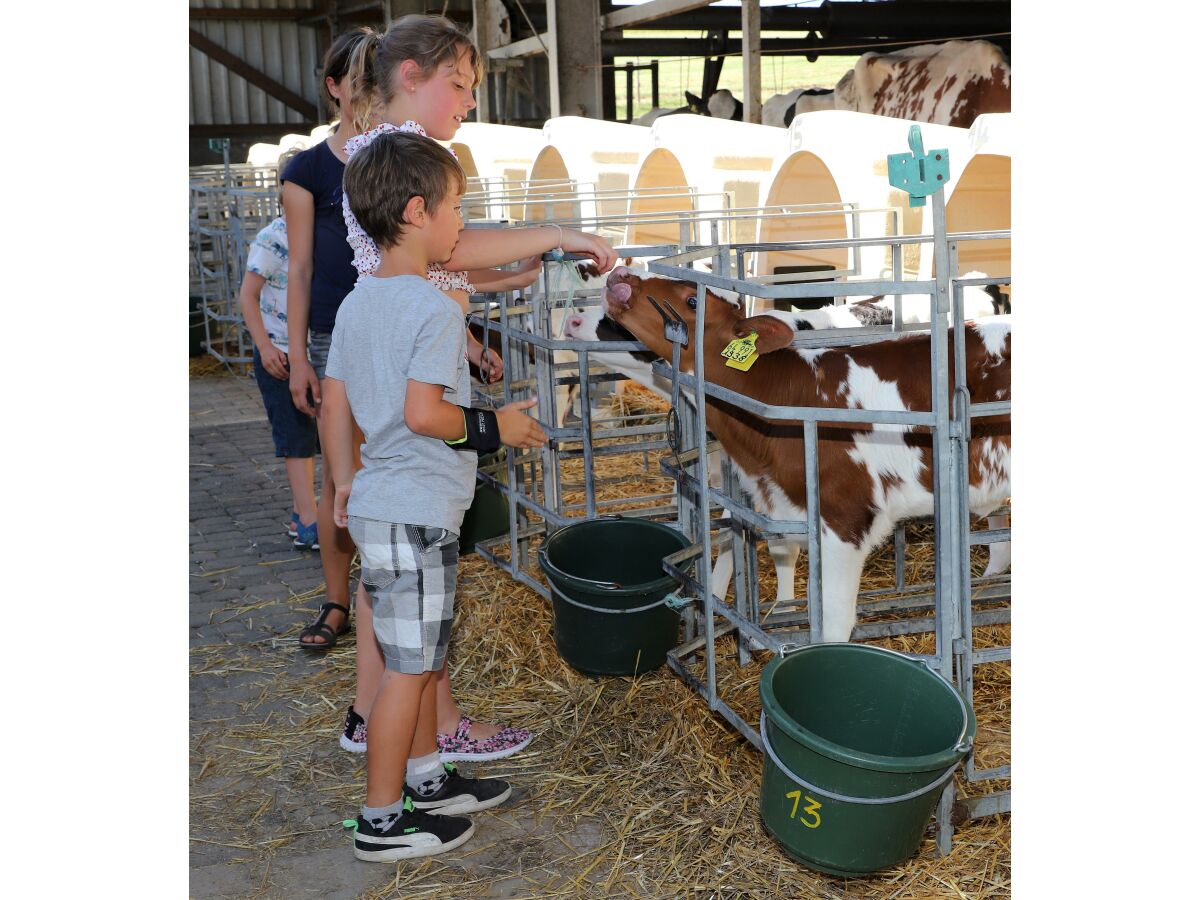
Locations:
{"points": [[294, 433], [318, 351]]}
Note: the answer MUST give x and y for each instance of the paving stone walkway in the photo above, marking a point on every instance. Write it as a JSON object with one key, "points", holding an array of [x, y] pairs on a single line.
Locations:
{"points": [[250, 593]]}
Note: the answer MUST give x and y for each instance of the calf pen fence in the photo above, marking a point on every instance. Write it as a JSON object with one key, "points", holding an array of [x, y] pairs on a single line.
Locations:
{"points": [[542, 498], [228, 206]]}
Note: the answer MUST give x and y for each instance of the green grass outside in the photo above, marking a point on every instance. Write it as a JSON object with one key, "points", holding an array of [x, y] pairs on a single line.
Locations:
{"points": [[780, 74]]}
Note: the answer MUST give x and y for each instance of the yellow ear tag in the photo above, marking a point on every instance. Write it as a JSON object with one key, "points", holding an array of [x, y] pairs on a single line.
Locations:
{"points": [[740, 353]]}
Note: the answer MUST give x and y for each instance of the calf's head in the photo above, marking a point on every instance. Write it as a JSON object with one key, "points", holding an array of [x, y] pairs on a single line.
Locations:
{"points": [[642, 304]]}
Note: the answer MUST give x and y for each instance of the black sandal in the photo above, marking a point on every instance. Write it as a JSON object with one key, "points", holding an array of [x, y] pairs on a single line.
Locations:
{"points": [[321, 630]]}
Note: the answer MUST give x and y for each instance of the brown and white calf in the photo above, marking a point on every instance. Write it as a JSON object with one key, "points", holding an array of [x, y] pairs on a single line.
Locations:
{"points": [[978, 302], [870, 476], [592, 325]]}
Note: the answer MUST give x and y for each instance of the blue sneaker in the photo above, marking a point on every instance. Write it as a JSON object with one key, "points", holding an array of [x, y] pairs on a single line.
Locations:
{"points": [[306, 536]]}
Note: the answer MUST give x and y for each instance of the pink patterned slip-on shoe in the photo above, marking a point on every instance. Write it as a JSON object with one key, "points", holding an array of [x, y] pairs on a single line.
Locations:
{"points": [[354, 732], [459, 746]]}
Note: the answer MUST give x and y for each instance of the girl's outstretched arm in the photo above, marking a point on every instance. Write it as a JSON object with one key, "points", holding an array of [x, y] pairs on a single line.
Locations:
{"points": [[481, 248]]}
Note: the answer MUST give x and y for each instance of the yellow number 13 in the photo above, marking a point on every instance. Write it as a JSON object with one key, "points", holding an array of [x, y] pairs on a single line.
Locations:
{"points": [[811, 809]]}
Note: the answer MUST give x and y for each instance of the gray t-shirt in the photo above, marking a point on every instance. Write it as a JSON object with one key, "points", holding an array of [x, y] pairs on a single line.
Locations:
{"points": [[389, 330]]}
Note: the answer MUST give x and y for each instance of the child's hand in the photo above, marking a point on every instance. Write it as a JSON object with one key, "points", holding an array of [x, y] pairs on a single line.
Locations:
{"points": [[341, 498], [526, 273], [274, 361], [516, 428], [590, 245], [491, 366], [302, 380]]}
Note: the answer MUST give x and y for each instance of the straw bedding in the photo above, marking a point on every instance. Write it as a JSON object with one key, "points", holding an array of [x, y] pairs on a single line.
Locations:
{"points": [[663, 790]]}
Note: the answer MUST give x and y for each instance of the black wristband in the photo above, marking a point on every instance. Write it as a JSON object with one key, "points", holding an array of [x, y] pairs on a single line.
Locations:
{"points": [[483, 431]]}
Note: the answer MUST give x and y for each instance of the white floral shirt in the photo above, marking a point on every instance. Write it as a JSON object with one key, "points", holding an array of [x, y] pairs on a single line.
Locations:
{"points": [[268, 257], [366, 254]]}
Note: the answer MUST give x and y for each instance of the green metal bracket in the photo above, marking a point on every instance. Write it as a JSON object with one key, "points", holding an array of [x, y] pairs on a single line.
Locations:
{"points": [[216, 145], [674, 601], [920, 174]]}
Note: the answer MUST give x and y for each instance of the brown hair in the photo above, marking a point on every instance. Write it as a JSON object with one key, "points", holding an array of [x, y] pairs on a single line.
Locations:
{"points": [[382, 177], [429, 41], [284, 158], [346, 56]]}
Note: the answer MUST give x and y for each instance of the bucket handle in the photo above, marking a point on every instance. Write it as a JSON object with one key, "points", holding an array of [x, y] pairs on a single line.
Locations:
{"points": [[825, 792], [546, 564], [600, 609], [964, 744]]}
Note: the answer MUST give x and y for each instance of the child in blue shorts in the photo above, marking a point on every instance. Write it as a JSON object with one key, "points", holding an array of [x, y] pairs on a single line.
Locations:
{"points": [[397, 367], [263, 300]]}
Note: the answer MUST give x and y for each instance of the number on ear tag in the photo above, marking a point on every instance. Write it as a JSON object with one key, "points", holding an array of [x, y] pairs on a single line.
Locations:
{"points": [[740, 353]]}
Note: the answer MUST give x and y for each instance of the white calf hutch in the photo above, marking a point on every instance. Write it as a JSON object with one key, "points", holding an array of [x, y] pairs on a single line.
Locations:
{"points": [[712, 156], [981, 198], [837, 156]]}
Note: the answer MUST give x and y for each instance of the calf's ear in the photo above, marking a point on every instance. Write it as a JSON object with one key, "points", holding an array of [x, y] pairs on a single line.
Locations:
{"points": [[773, 334]]}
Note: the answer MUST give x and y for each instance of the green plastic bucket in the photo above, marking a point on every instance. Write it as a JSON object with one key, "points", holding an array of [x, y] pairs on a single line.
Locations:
{"points": [[487, 517], [858, 743], [609, 593]]}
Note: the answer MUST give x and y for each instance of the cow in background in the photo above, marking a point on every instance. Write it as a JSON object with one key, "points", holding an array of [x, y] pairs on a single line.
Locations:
{"points": [[695, 105], [782, 108], [723, 105], [943, 84]]}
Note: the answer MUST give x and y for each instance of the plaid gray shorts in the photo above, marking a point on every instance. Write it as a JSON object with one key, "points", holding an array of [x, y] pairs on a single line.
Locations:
{"points": [[409, 573]]}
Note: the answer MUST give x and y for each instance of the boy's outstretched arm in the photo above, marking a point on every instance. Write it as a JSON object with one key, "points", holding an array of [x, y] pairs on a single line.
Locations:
{"points": [[428, 412], [338, 446]]}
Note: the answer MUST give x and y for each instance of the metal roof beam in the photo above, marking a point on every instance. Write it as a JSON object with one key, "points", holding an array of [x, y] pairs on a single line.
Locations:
{"points": [[256, 77], [632, 16], [530, 46], [287, 15]]}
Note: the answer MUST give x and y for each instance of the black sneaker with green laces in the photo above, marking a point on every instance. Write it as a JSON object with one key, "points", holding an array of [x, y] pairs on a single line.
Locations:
{"points": [[411, 834], [459, 795]]}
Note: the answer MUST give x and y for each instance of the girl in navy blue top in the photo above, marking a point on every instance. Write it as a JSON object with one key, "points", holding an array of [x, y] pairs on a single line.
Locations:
{"points": [[320, 275]]}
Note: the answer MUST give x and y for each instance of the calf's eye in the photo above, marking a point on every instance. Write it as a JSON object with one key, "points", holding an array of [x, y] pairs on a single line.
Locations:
{"points": [[691, 302]]}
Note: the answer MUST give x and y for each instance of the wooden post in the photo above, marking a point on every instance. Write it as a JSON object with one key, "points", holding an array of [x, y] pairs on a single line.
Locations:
{"points": [[481, 31], [628, 91], [575, 74], [751, 62]]}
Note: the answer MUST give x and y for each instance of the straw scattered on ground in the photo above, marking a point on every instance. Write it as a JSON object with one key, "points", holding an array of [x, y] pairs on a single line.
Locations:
{"points": [[666, 788]]}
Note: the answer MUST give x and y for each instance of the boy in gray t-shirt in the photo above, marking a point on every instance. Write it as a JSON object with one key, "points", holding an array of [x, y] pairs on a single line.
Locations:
{"points": [[397, 367]]}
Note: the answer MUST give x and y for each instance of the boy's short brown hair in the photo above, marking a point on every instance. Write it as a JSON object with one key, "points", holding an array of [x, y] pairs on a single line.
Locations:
{"points": [[383, 176]]}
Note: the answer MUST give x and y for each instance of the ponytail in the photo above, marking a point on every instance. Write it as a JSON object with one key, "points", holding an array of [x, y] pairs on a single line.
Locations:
{"points": [[352, 54], [363, 90]]}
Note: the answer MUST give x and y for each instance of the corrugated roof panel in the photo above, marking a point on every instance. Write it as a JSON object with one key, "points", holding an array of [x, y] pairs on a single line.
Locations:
{"points": [[239, 89], [201, 89], [218, 75], [283, 50], [289, 47]]}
